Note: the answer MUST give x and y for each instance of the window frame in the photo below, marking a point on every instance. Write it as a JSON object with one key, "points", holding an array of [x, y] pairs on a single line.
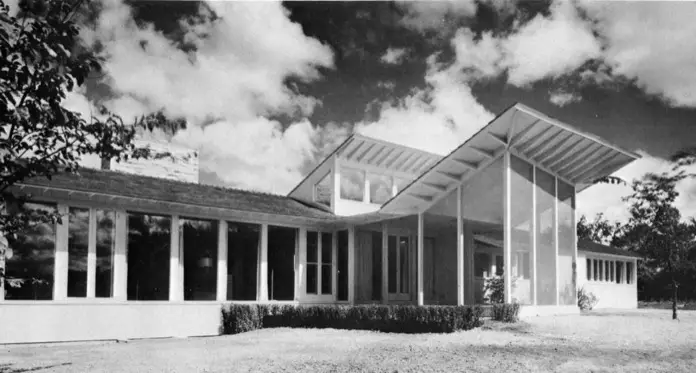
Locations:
{"points": [[399, 295], [319, 264]]}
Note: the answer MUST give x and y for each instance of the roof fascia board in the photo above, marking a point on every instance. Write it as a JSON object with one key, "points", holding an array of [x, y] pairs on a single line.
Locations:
{"points": [[606, 255], [332, 154]]}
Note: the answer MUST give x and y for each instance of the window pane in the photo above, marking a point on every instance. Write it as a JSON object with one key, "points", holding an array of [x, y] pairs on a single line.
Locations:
{"points": [[342, 264], [376, 266], [312, 278], [106, 243], [499, 265], [326, 279], [322, 190], [391, 245], [629, 272], [242, 260], [482, 264], [545, 241], [521, 217], [619, 272], [326, 248], [566, 244], [199, 244], [401, 183], [78, 243], [149, 239], [611, 271], [595, 273], [607, 264], [588, 265], [352, 184], [30, 259], [282, 243], [312, 247], [404, 271], [380, 188]]}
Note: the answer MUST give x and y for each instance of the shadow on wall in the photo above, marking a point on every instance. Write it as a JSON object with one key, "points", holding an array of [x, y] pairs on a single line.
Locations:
{"points": [[7, 368]]}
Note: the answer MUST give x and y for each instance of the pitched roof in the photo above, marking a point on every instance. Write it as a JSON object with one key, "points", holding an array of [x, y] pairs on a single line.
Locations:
{"points": [[593, 247], [165, 190]]}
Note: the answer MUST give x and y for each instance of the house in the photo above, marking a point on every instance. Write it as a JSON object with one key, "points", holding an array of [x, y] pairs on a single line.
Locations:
{"points": [[139, 256]]}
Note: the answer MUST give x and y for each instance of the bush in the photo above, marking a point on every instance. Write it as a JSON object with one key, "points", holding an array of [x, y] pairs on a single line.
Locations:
{"points": [[238, 318], [586, 300], [494, 289], [506, 312]]}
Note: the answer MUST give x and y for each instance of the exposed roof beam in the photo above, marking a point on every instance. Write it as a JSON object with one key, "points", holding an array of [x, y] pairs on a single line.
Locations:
{"points": [[419, 165], [352, 152], [385, 156], [584, 162], [450, 176], [534, 140], [484, 152], [501, 139], [372, 159], [551, 153], [437, 188], [421, 197], [467, 164], [391, 161], [531, 152], [597, 162], [366, 152], [522, 133], [549, 146], [569, 156], [404, 161], [593, 173]]}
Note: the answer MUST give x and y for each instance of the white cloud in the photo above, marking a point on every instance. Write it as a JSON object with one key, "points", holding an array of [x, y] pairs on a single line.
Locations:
{"points": [[652, 42], [236, 76], [561, 98], [394, 56], [432, 14], [606, 198]]}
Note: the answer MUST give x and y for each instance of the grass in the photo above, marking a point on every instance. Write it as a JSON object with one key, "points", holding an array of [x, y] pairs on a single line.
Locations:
{"points": [[598, 341], [664, 305]]}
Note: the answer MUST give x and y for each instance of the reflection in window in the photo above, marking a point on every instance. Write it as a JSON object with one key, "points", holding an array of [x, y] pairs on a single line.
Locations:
{"points": [[566, 243], [629, 272], [106, 233], [312, 262], [78, 245], [380, 188], [619, 272], [148, 256], [588, 268], [499, 265], [391, 246], [342, 265], [522, 215], [595, 267], [199, 244], [400, 184], [352, 184], [242, 260], [326, 264], [30, 258], [545, 239], [403, 265], [322, 190], [482, 264]]}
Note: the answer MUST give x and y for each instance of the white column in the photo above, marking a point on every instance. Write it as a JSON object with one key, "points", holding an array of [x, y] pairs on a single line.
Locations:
{"points": [[351, 265], [92, 254], [176, 280], [575, 246], [555, 236], [262, 294], [533, 264], [421, 298], [121, 256], [385, 264], [460, 248], [301, 279], [222, 261], [507, 227], [334, 266], [60, 279]]}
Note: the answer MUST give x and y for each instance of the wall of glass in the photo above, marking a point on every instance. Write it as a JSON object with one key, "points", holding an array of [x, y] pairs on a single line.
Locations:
{"points": [[545, 238], [149, 240], [199, 246], [566, 244], [78, 246], [243, 242], [521, 217], [106, 244]]}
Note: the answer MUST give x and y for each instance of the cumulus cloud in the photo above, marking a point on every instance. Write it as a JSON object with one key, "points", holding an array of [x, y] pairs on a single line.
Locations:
{"points": [[394, 56], [652, 42], [231, 77], [606, 198], [434, 14], [561, 98]]}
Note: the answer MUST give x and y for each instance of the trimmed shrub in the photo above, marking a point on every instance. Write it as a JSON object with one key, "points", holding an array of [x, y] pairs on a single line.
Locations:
{"points": [[395, 319], [506, 312], [494, 289], [586, 300]]}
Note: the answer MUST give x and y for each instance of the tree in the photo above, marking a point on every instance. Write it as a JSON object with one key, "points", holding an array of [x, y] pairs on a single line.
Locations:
{"points": [[656, 231], [600, 230], [41, 59]]}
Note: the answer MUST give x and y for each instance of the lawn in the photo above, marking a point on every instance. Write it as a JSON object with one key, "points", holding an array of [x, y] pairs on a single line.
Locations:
{"points": [[601, 341]]}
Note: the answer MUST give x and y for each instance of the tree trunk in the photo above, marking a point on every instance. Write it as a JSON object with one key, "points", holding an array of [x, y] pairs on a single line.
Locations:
{"points": [[674, 299]]}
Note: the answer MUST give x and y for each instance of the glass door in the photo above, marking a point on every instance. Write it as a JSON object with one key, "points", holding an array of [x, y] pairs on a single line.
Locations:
{"points": [[399, 254]]}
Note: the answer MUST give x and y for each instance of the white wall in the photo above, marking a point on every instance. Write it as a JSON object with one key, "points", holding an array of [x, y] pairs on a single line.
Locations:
{"points": [[609, 294], [28, 322]]}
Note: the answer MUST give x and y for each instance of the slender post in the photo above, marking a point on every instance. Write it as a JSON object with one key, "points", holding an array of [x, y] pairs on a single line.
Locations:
{"points": [[507, 227], [555, 237], [92, 253], [575, 246], [176, 280], [262, 294], [533, 264], [121, 256], [352, 267], [60, 285], [420, 260], [222, 261], [460, 248]]}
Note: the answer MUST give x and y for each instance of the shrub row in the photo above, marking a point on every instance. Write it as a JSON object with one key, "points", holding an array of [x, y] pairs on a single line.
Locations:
{"points": [[237, 318], [506, 312]]}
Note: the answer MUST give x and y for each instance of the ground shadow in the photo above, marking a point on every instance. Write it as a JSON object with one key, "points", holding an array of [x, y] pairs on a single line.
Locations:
{"points": [[7, 368]]}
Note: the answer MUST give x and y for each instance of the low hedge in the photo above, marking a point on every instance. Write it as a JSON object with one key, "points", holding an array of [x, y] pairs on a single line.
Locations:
{"points": [[506, 312], [240, 318]]}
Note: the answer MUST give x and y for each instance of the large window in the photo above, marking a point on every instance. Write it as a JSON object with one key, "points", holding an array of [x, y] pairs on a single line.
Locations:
{"points": [[566, 243], [242, 260], [78, 246], [326, 263], [30, 258], [545, 239], [282, 244], [588, 268], [521, 218], [619, 273], [312, 262], [352, 184], [322, 190], [342, 265], [319, 263], [149, 239], [482, 265], [199, 244], [106, 243], [380, 188], [629, 272], [399, 264]]}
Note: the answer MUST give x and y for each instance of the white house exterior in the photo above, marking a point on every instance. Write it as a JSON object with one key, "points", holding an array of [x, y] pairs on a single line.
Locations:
{"points": [[375, 222]]}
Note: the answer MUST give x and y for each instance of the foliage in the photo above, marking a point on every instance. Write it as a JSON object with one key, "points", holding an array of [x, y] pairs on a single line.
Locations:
{"points": [[506, 312], [600, 230], [396, 319], [586, 300], [494, 289]]}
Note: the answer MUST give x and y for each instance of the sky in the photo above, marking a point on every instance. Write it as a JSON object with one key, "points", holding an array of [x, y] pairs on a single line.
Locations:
{"points": [[268, 89]]}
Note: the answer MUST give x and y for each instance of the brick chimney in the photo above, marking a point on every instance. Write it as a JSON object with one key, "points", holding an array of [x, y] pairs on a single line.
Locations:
{"points": [[167, 161]]}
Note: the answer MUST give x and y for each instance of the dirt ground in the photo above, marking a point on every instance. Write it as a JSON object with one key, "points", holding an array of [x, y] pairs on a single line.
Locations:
{"points": [[601, 341]]}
